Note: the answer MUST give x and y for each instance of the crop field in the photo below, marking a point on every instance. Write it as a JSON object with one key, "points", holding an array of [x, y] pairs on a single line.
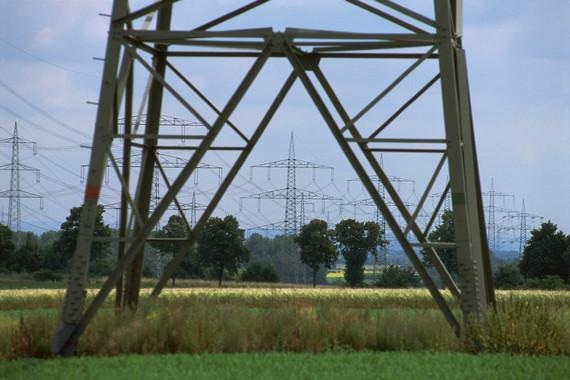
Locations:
{"points": [[245, 320]]}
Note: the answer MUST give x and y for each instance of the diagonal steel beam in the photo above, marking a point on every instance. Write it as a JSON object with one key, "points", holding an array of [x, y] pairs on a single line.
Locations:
{"points": [[63, 342], [144, 11], [407, 12], [405, 106], [201, 95], [74, 331], [167, 182], [426, 192], [160, 78], [231, 14], [179, 256], [432, 254], [388, 89], [437, 208], [357, 166], [387, 16]]}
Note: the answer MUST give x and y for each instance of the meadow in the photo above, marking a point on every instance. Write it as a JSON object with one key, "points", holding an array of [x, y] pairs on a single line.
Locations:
{"points": [[304, 320]]}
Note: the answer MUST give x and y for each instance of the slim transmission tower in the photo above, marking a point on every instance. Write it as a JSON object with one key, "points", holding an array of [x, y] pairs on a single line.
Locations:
{"points": [[294, 197], [15, 194], [492, 210]]}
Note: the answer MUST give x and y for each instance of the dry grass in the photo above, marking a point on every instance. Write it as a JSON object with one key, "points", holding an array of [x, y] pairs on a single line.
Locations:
{"points": [[292, 320]]}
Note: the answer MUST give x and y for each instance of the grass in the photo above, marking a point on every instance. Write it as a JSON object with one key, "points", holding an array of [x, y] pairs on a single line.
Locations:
{"points": [[334, 365], [290, 320]]}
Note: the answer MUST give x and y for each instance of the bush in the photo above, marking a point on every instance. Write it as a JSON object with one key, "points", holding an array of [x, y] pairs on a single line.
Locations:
{"points": [[260, 273], [547, 283], [47, 275], [508, 276], [395, 276]]}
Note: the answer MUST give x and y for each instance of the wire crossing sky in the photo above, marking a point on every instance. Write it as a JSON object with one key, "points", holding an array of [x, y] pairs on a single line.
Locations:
{"points": [[519, 67]]}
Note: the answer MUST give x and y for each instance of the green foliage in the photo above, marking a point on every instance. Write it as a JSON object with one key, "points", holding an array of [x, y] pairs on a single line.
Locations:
{"points": [[520, 326], [221, 246], [546, 253], [312, 320], [444, 233], [27, 256], [6, 245], [282, 253], [508, 276], [260, 273], [64, 246], [47, 275], [396, 276], [316, 247], [356, 241], [176, 228], [547, 283]]}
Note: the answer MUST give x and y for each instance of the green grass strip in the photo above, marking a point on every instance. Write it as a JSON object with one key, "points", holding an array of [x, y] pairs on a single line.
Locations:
{"points": [[337, 365]]}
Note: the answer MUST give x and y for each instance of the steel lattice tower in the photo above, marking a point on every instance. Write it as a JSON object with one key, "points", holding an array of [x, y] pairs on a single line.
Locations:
{"points": [[15, 167], [411, 38], [294, 197], [291, 191], [492, 210]]}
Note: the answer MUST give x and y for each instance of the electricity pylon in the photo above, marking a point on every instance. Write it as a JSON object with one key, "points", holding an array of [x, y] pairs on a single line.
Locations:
{"points": [[418, 38], [294, 197], [523, 228], [15, 167], [492, 211]]}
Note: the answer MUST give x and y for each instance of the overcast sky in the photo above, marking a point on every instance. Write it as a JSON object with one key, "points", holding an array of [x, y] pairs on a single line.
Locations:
{"points": [[519, 66]]}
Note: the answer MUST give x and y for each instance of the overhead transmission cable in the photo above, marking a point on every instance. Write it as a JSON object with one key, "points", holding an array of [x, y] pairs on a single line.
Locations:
{"points": [[16, 47]]}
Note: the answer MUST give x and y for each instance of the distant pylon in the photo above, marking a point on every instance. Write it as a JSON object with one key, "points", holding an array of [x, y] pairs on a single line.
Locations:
{"points": [[492, 210], [295, 199], [291, 200], [16, 193], [522, 236]]}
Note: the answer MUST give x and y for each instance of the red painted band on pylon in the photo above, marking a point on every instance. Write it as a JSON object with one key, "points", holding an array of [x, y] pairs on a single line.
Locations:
{"points": [[92, 191]]}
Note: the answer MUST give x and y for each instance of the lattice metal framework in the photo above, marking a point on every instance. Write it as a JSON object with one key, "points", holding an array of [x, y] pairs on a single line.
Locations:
{"points": [[295, 199], [423, 39], [15, 193]]}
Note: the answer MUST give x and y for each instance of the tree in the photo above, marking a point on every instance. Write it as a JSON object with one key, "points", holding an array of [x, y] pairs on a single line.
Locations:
{"points": [[444, 233], [508, 276], [316, 247], [64, 246], [260, 273], [221, 246], [176, 228], [6, 245], [546, 254], [26, 257], [356, 240], [396, 276]]}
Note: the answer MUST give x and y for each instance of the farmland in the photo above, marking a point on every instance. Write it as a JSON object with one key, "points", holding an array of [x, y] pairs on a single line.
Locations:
{"points": [[246, 320]]}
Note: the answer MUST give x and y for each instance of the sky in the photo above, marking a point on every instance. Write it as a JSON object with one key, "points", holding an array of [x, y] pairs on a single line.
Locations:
{"points": [[519, 72]]}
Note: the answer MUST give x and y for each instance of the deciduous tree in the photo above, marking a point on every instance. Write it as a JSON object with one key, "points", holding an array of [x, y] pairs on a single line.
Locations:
{"points": [[316, 247], [64, 246], [356, 241], [6, 245], [546, 253], [221, 246], [444, 232]]}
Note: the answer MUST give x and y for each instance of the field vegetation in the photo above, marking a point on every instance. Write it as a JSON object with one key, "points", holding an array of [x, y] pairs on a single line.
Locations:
{"points": [[239, 320], [332, 365]]}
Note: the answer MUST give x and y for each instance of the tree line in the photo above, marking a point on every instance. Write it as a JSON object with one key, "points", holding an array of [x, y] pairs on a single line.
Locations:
{"points": [[222, 252]]}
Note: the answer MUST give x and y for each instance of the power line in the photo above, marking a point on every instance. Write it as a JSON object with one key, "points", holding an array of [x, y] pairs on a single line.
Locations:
{"points": [[44, 129], [45, 60], [41, 111]]}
